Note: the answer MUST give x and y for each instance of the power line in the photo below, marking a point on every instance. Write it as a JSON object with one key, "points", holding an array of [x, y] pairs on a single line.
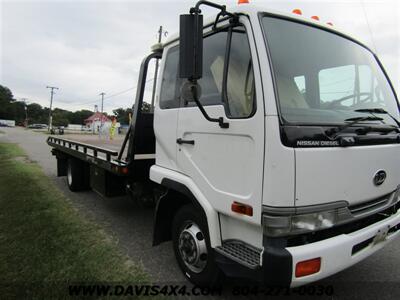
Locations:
{"points": [[369, 26], [120, 93], [113, 95]]}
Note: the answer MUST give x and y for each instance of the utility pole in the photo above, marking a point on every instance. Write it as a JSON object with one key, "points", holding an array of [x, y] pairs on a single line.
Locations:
{"points": [[52, 88], [101, 117], [26, 111], [160, 33], [96, 110]]}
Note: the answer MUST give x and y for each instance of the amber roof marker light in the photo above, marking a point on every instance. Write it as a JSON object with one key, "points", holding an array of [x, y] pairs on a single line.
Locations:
{"points": [[297, 11]]}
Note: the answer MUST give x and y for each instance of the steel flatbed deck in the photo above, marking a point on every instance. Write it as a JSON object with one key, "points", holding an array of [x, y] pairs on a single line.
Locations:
{"points": [[102, 157]]}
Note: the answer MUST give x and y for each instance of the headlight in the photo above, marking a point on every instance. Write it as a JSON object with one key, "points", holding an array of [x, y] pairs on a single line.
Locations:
{"points": [[302, 223], [298, 220], [396, 199], [397, 195]]}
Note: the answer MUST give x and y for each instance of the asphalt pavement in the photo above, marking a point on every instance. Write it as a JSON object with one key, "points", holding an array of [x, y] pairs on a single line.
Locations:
{"points": [[132, 226]]}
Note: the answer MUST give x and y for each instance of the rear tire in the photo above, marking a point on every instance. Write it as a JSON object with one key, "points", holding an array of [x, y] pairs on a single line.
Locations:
{"points": [[192, 248], [77, 175]]}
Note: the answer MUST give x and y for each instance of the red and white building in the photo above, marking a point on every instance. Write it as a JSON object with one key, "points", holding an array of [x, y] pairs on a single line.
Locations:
{"points": [[94, 122]]}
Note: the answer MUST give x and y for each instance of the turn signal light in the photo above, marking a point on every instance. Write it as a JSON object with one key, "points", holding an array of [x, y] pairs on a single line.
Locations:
{"points": [[243, 1], [315, 18], [242, 209], [308, 267], [297, 11]]}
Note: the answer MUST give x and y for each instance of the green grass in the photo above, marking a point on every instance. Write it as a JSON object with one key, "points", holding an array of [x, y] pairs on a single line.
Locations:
{"points": [[43, 239]]}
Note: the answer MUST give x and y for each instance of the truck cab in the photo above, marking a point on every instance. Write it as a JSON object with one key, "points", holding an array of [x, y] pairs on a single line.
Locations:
{"points": [[304, 180], [272, 152]]}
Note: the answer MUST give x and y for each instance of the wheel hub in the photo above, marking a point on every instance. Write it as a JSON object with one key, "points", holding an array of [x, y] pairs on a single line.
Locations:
{"points": [[69, 174], [193, 248]]}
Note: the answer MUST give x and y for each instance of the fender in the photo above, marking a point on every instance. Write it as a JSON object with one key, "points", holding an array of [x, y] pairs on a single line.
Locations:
{"points": [[175, 196], [179, 184]]}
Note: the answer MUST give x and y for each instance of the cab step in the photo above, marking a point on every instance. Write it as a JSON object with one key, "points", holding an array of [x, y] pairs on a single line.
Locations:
{"points": [[241, 253]]}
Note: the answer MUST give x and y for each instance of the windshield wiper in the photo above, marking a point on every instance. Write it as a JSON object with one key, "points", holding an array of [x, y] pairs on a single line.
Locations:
{"points": [[378, 111], [332, 133]]}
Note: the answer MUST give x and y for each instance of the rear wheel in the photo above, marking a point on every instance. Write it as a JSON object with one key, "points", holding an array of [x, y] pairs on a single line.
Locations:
{"points": [[192, 247], [77, 175]]}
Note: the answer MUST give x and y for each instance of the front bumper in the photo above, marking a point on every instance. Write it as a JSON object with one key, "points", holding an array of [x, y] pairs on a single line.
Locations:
{"points": [[337, 253], [342, 251]]}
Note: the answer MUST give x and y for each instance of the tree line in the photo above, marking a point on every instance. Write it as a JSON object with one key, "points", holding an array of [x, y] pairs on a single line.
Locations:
{"points": [[12, 109]]}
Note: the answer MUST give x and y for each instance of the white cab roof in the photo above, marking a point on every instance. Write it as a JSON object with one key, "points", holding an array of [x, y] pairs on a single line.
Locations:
{"points": [[252, 10]]}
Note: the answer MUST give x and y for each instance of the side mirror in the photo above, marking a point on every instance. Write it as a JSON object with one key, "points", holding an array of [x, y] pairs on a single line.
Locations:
{"points": [[191, 46]]}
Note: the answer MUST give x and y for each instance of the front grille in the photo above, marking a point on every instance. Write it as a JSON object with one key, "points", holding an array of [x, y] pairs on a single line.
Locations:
{"points": [[369, 206], [241, 252]]}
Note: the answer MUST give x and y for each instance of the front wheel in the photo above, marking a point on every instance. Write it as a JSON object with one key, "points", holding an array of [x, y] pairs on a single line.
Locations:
{"points": [[192, 247]]}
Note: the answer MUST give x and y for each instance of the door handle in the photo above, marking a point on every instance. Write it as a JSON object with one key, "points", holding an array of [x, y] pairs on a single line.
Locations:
{"points": [[180, 141]]}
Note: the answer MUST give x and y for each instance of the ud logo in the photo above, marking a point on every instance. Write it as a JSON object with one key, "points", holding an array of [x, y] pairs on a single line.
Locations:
{"points": [[379, 177]]}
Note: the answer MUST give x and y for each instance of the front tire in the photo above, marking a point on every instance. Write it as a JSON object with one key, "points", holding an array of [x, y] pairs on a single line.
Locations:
{"points": [[77, 175], [192, 248]]}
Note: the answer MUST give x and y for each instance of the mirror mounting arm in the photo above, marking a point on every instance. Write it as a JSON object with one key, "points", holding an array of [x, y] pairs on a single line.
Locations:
{"points": [[196, 8], [222, 8], [219, 120], [222, 13]]}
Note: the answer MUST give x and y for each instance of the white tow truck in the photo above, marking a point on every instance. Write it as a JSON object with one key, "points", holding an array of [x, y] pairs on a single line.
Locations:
{"points": [[273, 149]]}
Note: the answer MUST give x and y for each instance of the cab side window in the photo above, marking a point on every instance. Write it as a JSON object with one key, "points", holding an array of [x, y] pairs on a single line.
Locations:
{"points": [[214, 49], [169, 97], [228, 77], [240, 89]]}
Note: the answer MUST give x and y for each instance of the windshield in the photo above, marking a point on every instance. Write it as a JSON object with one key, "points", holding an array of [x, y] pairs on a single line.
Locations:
{"points": [[322, 77]]}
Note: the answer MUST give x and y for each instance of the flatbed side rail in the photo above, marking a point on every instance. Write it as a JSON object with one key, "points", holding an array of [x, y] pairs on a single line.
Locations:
{"points": [[82, 146]]}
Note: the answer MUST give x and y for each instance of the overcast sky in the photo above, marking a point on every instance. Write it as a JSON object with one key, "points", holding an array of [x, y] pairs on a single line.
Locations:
{"points": [[88, 47]]}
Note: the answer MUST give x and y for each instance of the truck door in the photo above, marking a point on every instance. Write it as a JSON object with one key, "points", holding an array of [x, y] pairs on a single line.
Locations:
{"points": [[166, 110], [226, 164]]}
